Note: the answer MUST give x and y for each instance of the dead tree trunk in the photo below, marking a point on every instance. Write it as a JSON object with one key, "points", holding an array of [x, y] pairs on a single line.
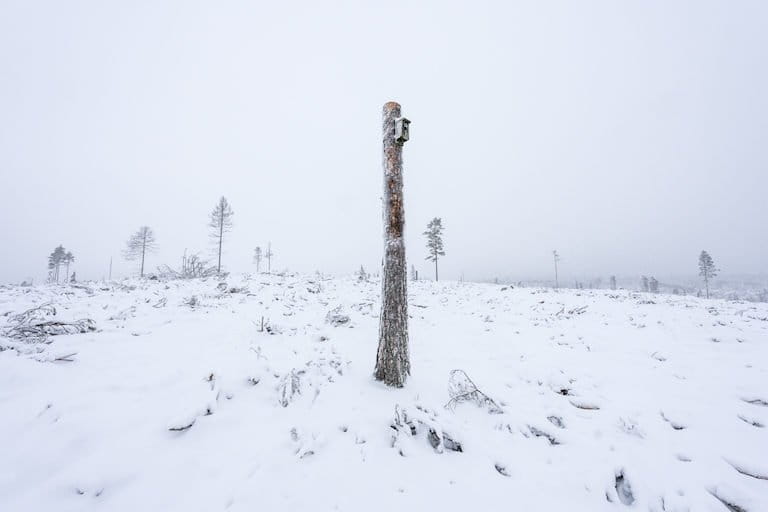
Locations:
{"points": [[143, 251], [392, 359]]}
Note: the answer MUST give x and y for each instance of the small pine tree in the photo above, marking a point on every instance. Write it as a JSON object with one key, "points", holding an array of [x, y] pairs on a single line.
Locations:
{"points": [[69, 258], [707, 269], [55, 260], [434, 234], [644, 283], [361, 274], [653, 285], [220, 223], [140, 243], [613, 282]]}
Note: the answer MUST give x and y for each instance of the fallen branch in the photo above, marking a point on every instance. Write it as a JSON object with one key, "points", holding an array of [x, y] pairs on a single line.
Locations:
{"points": [[66, 358], [462, 389]]}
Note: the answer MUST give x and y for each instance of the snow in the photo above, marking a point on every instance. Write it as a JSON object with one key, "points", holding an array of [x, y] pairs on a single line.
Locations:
{"points": [[609, 400]]}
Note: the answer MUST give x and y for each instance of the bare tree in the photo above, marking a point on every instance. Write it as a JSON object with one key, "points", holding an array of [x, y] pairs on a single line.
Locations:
{"points": [[140, 243], [556, 257], [269, 255], [220, 223], [707, 269], [257, 259], [434, 234]]}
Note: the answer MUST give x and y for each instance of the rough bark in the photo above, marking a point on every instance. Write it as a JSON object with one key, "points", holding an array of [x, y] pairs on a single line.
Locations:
{"points": [[392, 359]]}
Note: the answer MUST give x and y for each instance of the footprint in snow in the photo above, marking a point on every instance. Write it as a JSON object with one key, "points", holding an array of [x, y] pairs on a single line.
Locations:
{"points": [[623, 489], [756, 401], [751, 421]]}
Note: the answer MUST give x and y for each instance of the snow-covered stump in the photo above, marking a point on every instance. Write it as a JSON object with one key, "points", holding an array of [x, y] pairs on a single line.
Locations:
{"points": [[392, 360]]}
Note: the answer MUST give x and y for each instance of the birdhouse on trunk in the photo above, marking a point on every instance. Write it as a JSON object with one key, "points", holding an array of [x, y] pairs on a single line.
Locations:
{"points": [[401, 129]]}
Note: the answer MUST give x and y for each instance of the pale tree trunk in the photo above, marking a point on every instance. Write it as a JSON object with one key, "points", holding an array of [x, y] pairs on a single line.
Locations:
{"points": [[436, 268], [221, 239], [143, 251], [392, 359]]}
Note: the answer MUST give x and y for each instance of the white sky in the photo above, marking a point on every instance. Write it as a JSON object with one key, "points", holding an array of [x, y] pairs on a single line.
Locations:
{"points": [[628, 135]]}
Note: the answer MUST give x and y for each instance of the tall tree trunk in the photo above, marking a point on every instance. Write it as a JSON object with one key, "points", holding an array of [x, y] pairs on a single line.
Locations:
{"points": [[436, 268], [392, 359]]}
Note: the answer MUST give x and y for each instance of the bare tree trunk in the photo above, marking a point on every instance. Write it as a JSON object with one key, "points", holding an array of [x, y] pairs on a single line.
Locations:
{"points": [[143, 251], [392, 359], [221, 238], [436, 279]]}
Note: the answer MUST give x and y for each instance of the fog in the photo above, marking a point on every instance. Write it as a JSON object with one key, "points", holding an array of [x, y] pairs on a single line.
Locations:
{"points": [[629, 136]]}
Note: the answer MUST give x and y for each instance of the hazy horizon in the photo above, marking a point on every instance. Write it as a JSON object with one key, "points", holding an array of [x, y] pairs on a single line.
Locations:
{"points": [[629, 137]]}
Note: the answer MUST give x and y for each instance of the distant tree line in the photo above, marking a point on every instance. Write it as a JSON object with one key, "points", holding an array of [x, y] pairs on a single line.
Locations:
{"points": [[707, 271]]}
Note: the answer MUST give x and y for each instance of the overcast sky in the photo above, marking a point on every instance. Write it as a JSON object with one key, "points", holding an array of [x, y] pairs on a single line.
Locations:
{"points": [[628, 135]]}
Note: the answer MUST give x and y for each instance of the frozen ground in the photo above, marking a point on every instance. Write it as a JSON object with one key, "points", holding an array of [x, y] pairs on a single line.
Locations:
{"points": [[609, 401]]}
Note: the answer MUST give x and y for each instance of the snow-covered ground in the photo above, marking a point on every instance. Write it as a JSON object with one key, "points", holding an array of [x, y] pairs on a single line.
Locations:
{"points": [[182, 400]]}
